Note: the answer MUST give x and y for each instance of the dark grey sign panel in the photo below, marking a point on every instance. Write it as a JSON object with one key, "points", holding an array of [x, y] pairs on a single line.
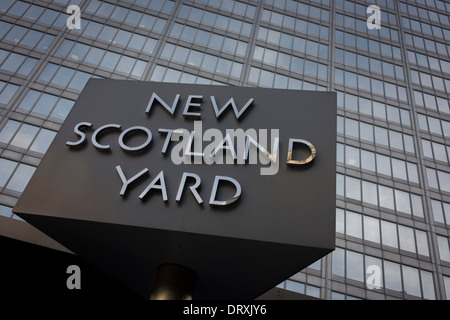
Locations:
{"points": [[120, 200]]}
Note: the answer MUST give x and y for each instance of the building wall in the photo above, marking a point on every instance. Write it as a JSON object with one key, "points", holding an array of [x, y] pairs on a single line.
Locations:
{"points": [[393, 85]]}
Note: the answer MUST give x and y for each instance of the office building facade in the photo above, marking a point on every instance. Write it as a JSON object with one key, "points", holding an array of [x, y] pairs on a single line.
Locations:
{"points": [[392, 84]]}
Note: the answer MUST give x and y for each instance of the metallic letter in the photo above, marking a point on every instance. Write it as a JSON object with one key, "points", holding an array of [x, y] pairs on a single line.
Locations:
{"points": [[138, 148], [77, 130], [153, 185], [165, 105], [233, 104], [189, 103], [96, 132], [166, 142], [127, 182], [193, 188], [229, 146], [296, 162], [273, 157], [212, 199]]}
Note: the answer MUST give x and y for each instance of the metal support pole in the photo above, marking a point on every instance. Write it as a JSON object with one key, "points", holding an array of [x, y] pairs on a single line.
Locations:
{"points": [[173, 282]]}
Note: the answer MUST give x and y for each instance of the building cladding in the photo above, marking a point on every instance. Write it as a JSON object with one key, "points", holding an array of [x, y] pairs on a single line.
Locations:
{"points": [[393, 86]]}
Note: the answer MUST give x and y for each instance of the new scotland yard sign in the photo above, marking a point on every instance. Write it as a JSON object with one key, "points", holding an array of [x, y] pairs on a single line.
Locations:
{"points": [[237, 184]]}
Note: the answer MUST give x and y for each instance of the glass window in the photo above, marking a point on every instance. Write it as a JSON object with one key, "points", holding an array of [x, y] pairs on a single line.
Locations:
{"points": [[351, 128], [402, 201], [422, 243], [20, 178], [352, 188], [6, 169], [139, 69], [48, 72], [24, 136], [399, 168], [432, 179], [340, 218], [92, 29], [5, 211], [392, 276], [353, 224], [110, 60], [427, 285], [352, 156], [371, 229], [63, 76], [8, 93], [444, 252], [367, 160], [79, 80], [94, 56], [406, 237], [417, 206], [125, 64], [29, 100], [62, 109], [8, 131], [411, 281], [13, 62], [45, 104], [366, 132], [389, 234], [444, 180], [295, 286], [370, 192], [355, 266], [338, 263], [43, 141], [32, 38], [383, 165], [381, 136], [27, 66], [79, 52], [339, 184], [386, 198]]}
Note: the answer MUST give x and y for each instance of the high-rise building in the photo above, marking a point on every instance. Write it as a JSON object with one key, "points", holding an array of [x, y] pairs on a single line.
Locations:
{"points": [[392, 84]]}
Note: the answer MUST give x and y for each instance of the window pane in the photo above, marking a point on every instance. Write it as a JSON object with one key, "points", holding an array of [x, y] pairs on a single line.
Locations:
{"points": [[402, 201], [406, 236], [370, 194], [62, 109], [386, 197], [355, 266], [338, 262], [352, 188], [392, 276], [21, 177], [444, 251], [24, 136], [45, 104], [63, 76], [43, 141], [353, 224], [6, 169], [8, 131], [389, 234], [411, 281], [371, 229], [422, 243]]}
